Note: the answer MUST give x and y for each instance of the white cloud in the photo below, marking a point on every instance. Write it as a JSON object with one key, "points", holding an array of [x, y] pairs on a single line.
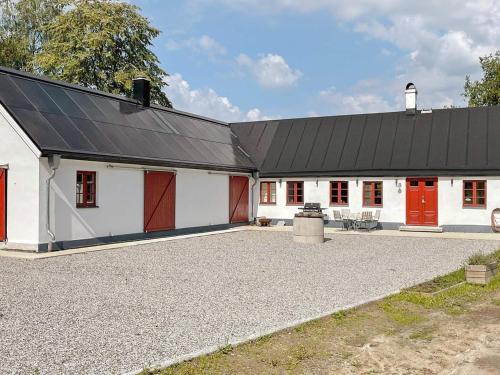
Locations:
{"points": [[203, 43], [271, 71], [441, 40], [342, 103], [206, 102]]}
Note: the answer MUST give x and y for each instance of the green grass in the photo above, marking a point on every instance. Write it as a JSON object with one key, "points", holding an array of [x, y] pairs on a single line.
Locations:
{"points": [[400, 312], [424, 334], [440, 282], [452, 301]]}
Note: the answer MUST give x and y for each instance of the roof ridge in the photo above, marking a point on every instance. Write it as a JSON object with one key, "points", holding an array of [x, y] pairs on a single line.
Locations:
{"points": [[88, 90]]}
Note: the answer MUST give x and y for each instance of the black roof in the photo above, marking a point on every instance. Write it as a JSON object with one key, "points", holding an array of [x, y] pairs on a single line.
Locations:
{"points": [[456, 141], [86, 124]]}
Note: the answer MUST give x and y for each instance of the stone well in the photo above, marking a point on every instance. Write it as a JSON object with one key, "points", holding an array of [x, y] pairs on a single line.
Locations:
{"points": [[309, 228]]}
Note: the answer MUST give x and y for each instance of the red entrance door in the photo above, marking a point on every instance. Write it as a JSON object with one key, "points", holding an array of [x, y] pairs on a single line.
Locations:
{"points": [[421, 201], [159, 201], [238, 199], [3, 211]]}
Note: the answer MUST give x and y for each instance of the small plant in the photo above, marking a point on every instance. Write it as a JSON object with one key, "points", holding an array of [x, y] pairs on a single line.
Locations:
{"points": [[339, 316], [227, 349], [480, 259]]}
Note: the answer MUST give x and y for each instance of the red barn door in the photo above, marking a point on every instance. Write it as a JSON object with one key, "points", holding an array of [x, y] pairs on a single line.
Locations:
{"points": [[3, 203], [159, 201], [238, 199]]}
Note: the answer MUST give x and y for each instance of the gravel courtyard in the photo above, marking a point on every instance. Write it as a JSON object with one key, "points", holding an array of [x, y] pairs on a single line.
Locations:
{"points": [[116, 311]]}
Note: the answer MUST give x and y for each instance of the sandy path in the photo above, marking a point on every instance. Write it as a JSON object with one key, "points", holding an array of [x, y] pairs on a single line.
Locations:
{"points": [[463, 345]]}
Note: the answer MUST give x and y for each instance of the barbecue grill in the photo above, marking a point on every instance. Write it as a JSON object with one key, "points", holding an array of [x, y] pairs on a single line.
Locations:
{"points": [[312, 207]]}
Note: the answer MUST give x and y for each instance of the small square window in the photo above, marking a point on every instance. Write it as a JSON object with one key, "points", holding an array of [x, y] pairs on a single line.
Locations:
{"points": [[372, 193], [339, 193], [295, 192], [85, 189], [474, 194], [268, 192]]}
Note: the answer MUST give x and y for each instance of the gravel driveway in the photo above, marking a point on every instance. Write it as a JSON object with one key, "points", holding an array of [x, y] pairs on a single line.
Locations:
{"points": [[117, 311]]}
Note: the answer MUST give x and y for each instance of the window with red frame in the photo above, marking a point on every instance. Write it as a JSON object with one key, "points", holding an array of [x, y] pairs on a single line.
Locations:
{"points": [[268, 192], [85, 189], [295, 192], [339, 193], [474, 194], [372, 193]]}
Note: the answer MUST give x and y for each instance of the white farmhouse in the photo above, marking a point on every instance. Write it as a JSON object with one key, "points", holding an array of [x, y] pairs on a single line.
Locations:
{"points": [[81, 167]]}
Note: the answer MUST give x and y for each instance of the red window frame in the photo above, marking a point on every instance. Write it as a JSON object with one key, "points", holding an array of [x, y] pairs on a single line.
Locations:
{"points": [[474, 193], [297, 199], [371, 197], [269, 199], [86, 200], [337, 185]]}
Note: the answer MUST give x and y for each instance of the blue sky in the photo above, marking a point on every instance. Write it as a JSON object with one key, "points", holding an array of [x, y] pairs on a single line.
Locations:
{"points": [[253, 59]]}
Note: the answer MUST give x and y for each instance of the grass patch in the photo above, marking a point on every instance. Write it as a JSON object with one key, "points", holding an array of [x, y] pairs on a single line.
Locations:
{"points": [[440, 282], [339, 316], [423, 334], [398, 311]]}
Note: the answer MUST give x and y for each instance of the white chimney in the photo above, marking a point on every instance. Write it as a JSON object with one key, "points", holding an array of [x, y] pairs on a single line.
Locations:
{"points": [[411, 99]]}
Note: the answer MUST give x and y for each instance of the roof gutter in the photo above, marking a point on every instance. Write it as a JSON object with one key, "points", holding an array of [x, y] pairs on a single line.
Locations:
{"points": [[149, 162]]}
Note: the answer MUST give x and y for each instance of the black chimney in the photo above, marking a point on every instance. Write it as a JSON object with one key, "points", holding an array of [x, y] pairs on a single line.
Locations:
{"points": [[142, 91]]}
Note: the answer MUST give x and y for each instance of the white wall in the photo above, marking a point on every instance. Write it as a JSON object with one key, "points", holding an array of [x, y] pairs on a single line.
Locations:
{"points": [[119, 208], [451, 210], [21, 155], [394, 198], [202, 199]]}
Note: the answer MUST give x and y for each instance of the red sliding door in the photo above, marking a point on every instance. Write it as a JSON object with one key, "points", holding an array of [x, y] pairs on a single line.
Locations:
{"points": [[238, 199], [3, 204], [159, 201]]}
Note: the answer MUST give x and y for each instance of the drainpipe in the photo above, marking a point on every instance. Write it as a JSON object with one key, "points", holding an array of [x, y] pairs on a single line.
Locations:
{"points": [[54, 161], [255, 177]]}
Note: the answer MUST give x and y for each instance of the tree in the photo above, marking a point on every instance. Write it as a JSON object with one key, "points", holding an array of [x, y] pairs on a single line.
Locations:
{"points": [[101, 44], [22, 32], [487, 90]]}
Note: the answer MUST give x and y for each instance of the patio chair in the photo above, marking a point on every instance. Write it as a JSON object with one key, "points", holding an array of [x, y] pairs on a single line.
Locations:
{"points": [[495, 220], [337, 218], [346, 214], [375, 220], [365, 221]]}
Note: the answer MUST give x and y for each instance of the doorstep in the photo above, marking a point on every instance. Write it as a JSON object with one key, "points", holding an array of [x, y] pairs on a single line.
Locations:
{"points": [[418, 228]]}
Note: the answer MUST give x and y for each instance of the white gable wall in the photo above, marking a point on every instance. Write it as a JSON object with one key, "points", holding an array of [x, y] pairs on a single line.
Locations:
{"points": [[21, 155]]}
